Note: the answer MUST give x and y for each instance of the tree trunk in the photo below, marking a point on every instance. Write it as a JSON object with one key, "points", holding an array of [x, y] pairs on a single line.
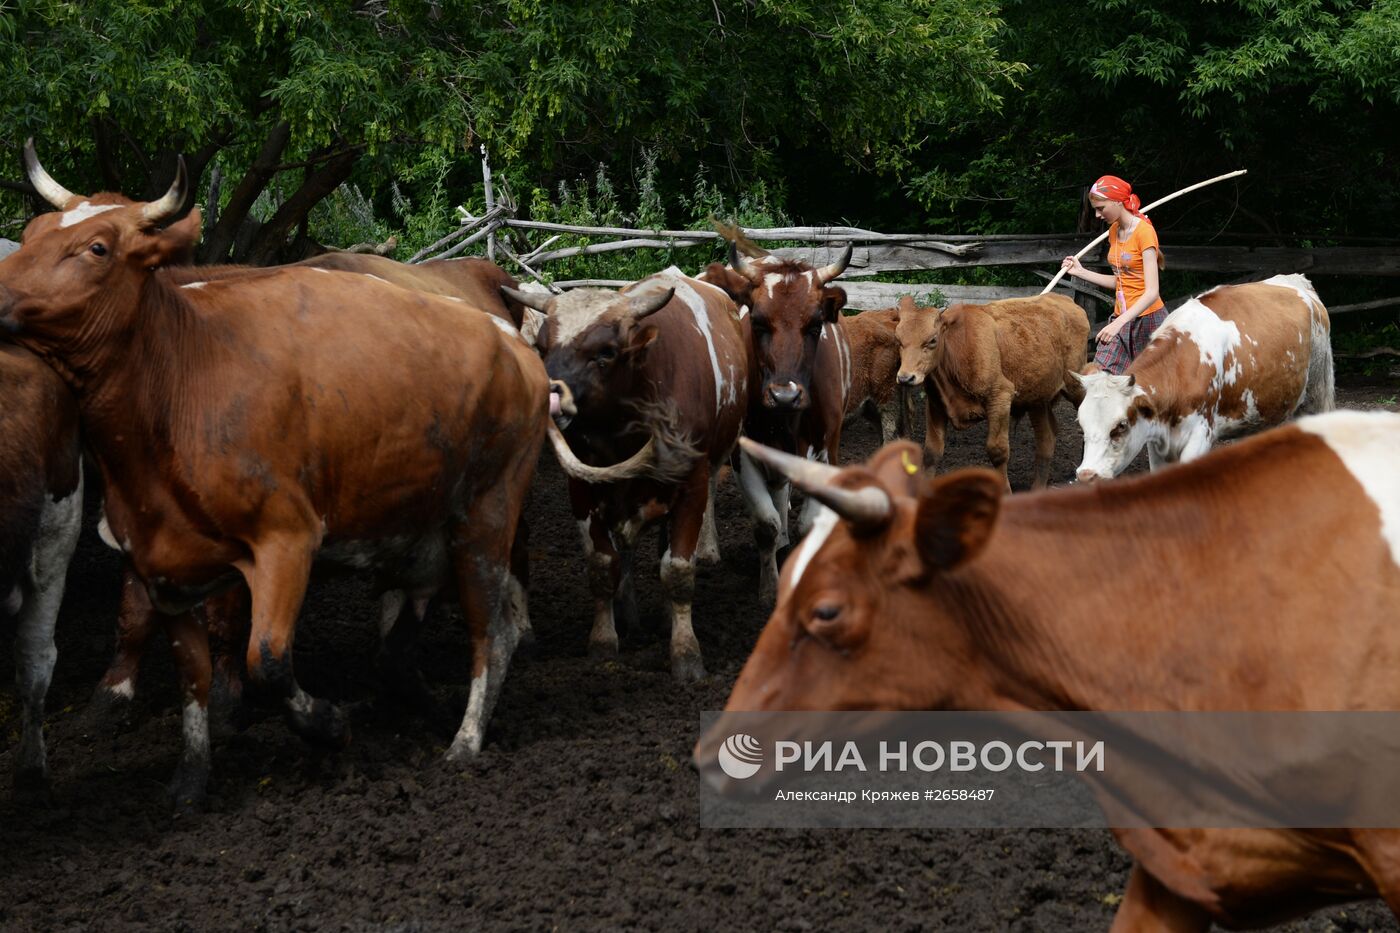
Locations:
{"points": [[319, 183], [264, 167], [106, 157]]}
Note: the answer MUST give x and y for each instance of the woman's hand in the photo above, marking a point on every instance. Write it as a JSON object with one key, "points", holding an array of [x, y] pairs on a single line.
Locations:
{"points": [[1072, 265], [1110, 330]]}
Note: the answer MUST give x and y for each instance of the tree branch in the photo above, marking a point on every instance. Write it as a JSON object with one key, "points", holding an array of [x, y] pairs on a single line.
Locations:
{"points": [[264, 167]]}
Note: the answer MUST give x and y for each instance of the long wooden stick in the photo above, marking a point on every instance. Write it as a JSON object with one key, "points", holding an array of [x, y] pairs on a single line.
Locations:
{"points": [[1158, 203]]}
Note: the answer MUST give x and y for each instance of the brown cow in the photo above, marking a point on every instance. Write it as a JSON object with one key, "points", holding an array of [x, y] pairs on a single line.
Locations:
{"points": [[874, 372], [656, 376], [1235, 359], [995, 361], [41, 510], [249, 425], [941, 593], [799, 380]]}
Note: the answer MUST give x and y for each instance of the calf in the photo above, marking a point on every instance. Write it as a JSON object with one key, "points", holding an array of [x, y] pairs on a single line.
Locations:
{"points": [[346, 420], [1234, 359], [41, 508], [995, 361], [654, 376], [799, 379], [922, 593], [874, 368]]}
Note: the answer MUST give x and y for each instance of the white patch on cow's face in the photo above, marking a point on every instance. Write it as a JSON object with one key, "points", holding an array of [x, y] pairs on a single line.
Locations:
{"points": [[1110, 443], [822, 526], [83, 211], [195, 285], [1368, 444], [576, 311], [771, 281]]}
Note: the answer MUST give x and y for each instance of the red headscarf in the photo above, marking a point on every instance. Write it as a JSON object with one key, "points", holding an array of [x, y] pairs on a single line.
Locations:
{"points": [[1116, 189]]}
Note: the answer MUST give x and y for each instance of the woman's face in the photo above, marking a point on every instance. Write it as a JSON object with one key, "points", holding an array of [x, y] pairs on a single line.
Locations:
{"points": [[1106, 210]]}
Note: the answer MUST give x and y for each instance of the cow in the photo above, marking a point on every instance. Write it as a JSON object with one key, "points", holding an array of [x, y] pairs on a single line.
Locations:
{"points": [[941, 593], [996, 361], [654, 376], [41, 508], [1237, 358], [799, 380], [874, 368], [245, 427]]}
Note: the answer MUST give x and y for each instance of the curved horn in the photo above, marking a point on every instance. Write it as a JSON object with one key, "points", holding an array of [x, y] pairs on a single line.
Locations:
{"points": [[639, 306], [827, 273], [170, 202], [865, 507], [744, 266], [634, 465], [537, 300], [48, 189]]}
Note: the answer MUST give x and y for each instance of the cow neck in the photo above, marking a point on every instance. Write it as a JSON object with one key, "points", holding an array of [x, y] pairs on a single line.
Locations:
{"points": [[1076, 601], [142, 382]]}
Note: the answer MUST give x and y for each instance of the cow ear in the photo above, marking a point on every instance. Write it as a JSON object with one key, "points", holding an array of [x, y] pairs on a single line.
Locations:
{"points": [[642, 337], [833, 300], [174, 245], [956, 516], [1144, 407]]}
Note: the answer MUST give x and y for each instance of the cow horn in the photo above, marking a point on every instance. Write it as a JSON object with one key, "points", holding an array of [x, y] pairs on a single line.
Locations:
{"points": [[744, 266], [537, 300], [634, 465], [50, 190], [170, 202], [639, 306], [864, 507], [827, 273]]}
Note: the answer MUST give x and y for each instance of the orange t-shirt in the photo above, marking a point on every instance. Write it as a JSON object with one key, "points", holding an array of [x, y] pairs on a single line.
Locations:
{"points": [[1125, 256]]}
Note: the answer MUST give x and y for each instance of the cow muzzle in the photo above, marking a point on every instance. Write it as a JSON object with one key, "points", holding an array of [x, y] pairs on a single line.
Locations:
{"points": [[785, 395], [561, 403], [1088, 476], [909, 379]]}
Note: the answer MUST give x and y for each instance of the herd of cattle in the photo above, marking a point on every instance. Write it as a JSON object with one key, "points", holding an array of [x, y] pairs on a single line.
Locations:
{"points": [[247, 422]]}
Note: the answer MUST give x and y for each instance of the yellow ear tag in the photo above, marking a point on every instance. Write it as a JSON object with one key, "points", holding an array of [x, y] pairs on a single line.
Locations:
{"points": [[908, 464]]}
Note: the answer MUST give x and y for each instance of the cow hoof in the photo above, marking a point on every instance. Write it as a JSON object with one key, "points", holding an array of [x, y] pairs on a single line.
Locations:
{"points": [[32, 787], [188, 790], [707, 556], [463, 751], [602, 649], [108, 713], [687, 669], [324, 725]]}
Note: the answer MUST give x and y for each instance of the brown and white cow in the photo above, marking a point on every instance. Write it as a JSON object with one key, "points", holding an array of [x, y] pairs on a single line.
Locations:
{"points": [[799, 380], [41, 509], [247, 426], [1234, 359], [923, 593], [874, 372], [652, 380], [995, 361]]}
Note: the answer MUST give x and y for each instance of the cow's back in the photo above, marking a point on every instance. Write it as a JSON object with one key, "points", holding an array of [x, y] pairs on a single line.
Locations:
{"points": [[39, 453], [476, 282], [1038, 340]]}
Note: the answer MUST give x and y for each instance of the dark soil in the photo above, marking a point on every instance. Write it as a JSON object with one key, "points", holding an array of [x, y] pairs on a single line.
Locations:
{"points": [[580, 814]]}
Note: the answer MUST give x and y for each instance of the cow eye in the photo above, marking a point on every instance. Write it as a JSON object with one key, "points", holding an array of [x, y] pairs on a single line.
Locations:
{"points": [[930, 343], [97, 249], [826, 611], [1119, 429], [605, 356], [814, 329]]}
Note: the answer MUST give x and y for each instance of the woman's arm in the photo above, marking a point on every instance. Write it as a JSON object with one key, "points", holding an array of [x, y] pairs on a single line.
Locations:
{"points": [[1075, 268]]}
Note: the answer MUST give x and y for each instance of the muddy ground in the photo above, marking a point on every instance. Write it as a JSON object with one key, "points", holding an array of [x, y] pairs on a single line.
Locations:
{"points": [[580, 815]]}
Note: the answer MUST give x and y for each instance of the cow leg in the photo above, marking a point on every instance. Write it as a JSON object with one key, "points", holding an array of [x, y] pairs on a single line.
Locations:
{"points": [[935, 427], [769, 523], [1043, 424], [1149, 907], [1198, 444], [889, 429], [35, 651], [678, 574], [189, 643], [999, 432], [227, 616], [277, 576], [707, 551], [481, 561], [110, 707], [518, 586]]}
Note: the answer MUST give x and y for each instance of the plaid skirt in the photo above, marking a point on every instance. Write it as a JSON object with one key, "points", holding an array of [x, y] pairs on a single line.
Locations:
{"points": [[1113, 356]]}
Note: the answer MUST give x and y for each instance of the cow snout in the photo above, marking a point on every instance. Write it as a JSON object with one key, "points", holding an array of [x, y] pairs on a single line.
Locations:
{"points": [[786, 395], [561, 402], [909, 379], [1087, 476]]}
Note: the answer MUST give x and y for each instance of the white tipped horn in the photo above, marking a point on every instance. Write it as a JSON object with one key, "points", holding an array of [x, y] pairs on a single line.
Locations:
{"points": [[50, 190], [537, 300], [169, 203], [827, 273], [634, 465], [865, 507]]}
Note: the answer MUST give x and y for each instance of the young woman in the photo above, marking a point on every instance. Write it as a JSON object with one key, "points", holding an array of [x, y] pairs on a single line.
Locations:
{"points": [[1136, 257]]}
